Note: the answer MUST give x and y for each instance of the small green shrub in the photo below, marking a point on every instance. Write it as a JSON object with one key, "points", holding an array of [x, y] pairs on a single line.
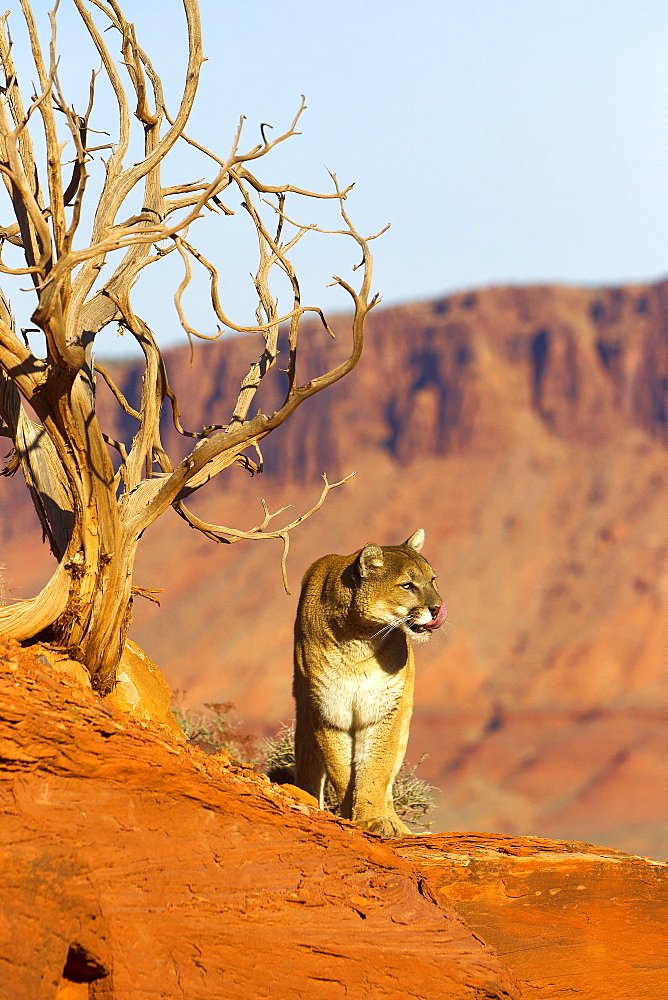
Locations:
{"points": [[213, 728], [413, 797]]}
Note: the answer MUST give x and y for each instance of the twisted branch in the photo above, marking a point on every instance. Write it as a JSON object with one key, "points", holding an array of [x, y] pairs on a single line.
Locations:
{"points": [[220, 533]]}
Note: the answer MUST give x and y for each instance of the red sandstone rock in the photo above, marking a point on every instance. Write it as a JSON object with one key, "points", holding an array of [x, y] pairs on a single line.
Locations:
{"points": [[571, 920], [132, 866], [142, 691]]}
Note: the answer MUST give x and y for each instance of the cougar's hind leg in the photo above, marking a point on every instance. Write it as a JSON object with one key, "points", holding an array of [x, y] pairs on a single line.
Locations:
{"points": [[309, 764]]}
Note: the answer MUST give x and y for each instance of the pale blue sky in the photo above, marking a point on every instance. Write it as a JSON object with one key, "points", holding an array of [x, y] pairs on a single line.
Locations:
{"points": [[505, 140]]}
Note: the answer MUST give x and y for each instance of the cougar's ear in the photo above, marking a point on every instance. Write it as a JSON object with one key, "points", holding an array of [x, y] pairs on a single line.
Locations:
{"points": [[416, 541], [369, 559]]}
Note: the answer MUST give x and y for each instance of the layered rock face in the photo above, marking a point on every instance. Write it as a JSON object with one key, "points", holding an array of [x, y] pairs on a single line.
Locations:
{"points": [[569, 919], [446, 377], [133, 865], [525, 429]]}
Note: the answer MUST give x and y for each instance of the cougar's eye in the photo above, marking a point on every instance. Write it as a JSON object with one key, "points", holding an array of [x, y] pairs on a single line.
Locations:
{"points": [[406, 586]]}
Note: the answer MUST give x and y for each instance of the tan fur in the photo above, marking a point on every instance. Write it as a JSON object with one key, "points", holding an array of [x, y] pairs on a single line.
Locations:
{"points": [[353, 687]]}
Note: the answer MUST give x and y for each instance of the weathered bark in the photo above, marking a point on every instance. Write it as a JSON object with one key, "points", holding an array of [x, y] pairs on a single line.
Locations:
{"points": [[93, 515]]}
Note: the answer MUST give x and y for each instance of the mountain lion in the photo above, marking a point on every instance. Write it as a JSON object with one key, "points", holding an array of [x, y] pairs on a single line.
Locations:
{"points": [[354, 673]]}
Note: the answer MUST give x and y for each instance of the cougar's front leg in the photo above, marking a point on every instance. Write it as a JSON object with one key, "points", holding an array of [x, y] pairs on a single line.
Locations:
{"points": [[378, 754], [336, 750]]}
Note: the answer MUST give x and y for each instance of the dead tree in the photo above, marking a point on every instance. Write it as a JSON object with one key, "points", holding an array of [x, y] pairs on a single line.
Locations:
{"points": [[83, 256]]}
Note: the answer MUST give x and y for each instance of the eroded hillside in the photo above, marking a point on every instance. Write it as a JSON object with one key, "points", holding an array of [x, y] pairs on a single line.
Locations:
{"points": [[525, 429]]}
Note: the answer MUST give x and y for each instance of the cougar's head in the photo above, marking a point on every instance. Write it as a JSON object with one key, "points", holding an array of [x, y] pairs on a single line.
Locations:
{"points": [[396, 589]]}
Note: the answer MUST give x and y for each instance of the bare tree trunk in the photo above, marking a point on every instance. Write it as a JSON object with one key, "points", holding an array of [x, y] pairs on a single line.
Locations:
{"points": [[92, 514]]}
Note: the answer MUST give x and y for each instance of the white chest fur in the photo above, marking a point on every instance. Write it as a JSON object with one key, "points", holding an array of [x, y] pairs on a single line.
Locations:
{"points": [[352, 691]]}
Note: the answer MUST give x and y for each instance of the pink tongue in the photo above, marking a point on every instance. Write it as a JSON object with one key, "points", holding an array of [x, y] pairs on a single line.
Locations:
{"points": [[439, 617]]}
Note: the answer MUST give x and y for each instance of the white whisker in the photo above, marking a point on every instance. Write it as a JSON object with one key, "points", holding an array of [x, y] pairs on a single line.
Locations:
{"points": [[394, 624]]}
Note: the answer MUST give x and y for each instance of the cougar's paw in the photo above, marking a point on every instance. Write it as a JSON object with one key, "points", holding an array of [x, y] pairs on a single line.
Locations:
{"points": [[386, 826]]}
